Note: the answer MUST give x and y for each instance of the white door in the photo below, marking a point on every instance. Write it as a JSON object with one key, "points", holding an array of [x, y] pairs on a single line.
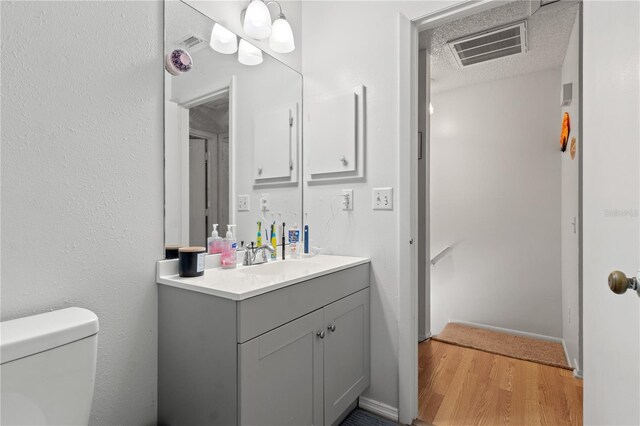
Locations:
{"points": [[611, 191], [223, 173], [197, 192]]}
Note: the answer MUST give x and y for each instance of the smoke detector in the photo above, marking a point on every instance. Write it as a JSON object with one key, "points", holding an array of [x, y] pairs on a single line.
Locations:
{"points": [[491, 44]]}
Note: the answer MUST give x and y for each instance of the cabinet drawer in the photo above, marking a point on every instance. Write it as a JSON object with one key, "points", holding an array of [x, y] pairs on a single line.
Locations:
{"points": [[265, 312]]}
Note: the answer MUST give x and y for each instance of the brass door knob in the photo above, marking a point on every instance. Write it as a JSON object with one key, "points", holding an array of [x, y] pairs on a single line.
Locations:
{"points": [[619, 283]]}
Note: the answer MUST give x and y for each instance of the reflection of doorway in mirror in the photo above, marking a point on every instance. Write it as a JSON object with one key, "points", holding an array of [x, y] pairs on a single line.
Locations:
{"points": [[208, 169]]}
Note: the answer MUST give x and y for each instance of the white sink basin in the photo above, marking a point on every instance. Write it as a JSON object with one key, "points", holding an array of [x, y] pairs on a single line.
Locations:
{"points": [[283, 267], [244, 282]]}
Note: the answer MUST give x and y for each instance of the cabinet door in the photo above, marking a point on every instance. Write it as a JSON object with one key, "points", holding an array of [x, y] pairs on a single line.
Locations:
{"points": [[281, 375], [347, 356], [273, 135], [332, 135]]}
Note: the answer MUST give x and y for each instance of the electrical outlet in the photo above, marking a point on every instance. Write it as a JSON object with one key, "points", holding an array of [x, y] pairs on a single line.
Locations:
{"points": [[382, 198], [243, 203], [264, 202], [347, 199]]}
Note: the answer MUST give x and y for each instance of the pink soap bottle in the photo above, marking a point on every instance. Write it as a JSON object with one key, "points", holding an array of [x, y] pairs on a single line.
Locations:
{"points": [[214, 242], [229, 250]]}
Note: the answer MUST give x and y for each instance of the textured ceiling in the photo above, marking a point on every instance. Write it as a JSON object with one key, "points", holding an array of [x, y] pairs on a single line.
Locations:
{"points": [[212, 117], [549, 29]]}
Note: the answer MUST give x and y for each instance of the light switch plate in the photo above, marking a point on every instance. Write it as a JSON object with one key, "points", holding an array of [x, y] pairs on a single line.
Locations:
{"points": [[347, 199], [382, 198], [243, 203], [264, 203]]}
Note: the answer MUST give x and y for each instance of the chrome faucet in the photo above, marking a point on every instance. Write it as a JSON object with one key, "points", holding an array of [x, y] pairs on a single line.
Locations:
{"points": [[252, 255]]}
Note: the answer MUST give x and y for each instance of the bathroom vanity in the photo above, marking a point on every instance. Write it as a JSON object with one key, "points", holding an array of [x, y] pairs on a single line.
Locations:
{"points": [[283, 343]]}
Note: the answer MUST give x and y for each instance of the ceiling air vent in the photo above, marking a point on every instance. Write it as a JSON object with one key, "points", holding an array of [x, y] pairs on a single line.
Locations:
{"points": [[191, 42], [491, 44]]}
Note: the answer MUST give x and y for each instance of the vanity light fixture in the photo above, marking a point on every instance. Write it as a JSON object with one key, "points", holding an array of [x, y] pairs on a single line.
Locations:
{"points": [[223, 40], [430, 108], [248, 54], [281, 39], [256, 22]]}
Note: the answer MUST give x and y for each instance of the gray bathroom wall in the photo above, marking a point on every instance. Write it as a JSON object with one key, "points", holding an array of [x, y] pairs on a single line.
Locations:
{"points": [[82, 181]]}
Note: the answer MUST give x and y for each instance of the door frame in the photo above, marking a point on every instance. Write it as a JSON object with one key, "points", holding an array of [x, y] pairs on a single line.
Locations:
{"points": [[408, 46], [210, 139], [230, 91]]}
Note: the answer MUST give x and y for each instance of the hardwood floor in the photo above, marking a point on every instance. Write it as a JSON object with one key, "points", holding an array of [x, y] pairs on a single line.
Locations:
{"points": [[461, 386]]}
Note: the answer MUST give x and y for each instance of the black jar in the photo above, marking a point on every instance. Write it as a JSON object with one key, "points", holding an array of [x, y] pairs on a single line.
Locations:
{"points": [[171, 251], [191, 261]]}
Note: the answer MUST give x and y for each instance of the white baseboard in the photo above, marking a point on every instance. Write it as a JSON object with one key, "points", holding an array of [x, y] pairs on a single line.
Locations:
{"points": [[378, 408], [423, 337], [566, 354], [577, 372]]}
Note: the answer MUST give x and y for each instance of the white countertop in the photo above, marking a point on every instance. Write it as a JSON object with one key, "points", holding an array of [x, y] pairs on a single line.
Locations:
{"points": [[236, 284]]}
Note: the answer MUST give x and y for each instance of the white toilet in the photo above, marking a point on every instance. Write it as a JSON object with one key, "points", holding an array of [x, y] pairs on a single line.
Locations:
{"points": [[48, 365]]}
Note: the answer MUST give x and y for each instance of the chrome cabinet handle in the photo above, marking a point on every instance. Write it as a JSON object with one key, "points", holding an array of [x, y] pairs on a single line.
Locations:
{"points": [[320, 334], [331, 327], [619, 283]]}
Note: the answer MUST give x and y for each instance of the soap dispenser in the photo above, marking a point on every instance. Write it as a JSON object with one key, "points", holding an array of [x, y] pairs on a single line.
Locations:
{"points": [[229, 250], [214, 242]]}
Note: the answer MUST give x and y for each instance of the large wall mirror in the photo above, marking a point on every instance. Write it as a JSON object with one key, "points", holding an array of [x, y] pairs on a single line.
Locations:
{"points": [[233, 137]]}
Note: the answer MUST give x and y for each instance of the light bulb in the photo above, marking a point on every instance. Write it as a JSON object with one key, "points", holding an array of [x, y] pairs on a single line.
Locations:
{"points": [[430, 109], [281, 39], [257, 20], [248, 54], [223, 40]]}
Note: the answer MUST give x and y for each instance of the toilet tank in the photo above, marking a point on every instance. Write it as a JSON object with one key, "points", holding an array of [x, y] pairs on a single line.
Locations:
{"points": [[47, 368]]}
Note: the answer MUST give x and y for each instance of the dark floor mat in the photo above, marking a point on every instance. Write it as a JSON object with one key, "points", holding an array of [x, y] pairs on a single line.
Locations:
{"points": [[360, 417]]}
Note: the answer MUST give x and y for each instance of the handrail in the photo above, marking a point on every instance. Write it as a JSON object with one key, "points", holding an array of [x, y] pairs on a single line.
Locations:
{"points": [[435, 259]]}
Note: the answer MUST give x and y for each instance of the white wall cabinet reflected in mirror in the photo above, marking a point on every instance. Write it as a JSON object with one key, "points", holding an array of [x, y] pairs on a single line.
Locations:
{"points": [[275, 142]]}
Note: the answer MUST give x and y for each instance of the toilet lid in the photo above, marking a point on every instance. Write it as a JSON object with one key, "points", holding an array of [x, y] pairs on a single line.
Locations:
{"points": [[38, 333]]}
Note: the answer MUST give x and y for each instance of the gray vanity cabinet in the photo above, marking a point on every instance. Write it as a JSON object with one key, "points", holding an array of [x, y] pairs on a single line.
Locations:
{"points": [[298, 355], [281, 375], [346, 353], [309, 371]]}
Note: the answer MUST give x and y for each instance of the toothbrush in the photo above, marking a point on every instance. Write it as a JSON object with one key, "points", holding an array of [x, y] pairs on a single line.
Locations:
{"points": [[283, 224], [306, 233], [259, 237], [274, 241]]}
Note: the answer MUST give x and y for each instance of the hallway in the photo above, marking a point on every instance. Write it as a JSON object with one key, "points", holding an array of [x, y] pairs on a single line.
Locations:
{"points": [[461, 386]]}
